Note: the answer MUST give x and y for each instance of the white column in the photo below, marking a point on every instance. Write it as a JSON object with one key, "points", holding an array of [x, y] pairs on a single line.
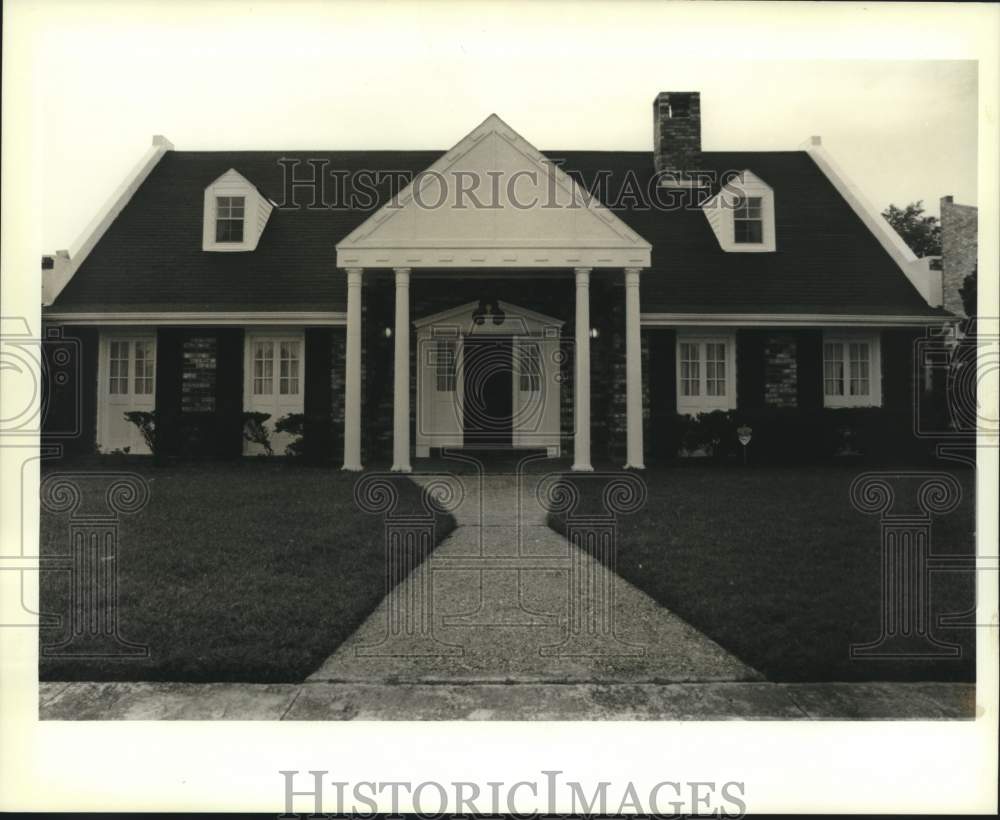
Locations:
{"points": [[352, 377], [633, 372], [581, 384], [401, 376]]}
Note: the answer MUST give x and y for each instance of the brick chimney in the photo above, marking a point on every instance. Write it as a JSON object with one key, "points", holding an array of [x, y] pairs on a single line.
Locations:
{"points": [[677, 131], [959, 240]]}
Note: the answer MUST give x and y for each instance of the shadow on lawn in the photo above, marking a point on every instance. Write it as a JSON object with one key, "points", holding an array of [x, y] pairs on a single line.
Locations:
{"points": [[240, 571]]}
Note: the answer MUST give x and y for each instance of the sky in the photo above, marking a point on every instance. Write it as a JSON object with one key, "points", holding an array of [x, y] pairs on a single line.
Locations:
{"points": [[215, 75]]}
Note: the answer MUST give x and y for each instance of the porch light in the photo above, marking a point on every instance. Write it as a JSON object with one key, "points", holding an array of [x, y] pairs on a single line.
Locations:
{"points": [[387, 332], [594, 333]]}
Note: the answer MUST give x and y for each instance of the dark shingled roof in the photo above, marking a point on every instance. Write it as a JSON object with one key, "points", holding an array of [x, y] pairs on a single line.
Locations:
{"points": [[150, 259]]}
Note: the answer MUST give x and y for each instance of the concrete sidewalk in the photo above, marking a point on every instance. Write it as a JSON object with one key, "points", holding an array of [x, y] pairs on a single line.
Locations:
{"points": [[496, 606], [361, 701]]}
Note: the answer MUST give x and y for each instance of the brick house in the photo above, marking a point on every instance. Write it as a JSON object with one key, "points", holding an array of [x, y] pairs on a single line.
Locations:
{"points": [[497, 296]]}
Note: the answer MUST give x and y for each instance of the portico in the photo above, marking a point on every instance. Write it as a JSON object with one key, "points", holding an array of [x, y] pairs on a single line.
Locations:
{"points": [[492, 203]]}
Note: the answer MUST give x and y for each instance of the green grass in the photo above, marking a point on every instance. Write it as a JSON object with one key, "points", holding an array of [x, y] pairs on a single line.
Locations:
{"points": [[777, 566], [244, 571]]}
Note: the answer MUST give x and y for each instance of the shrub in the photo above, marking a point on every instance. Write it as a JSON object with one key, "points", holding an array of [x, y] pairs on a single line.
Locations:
{"points": [[255, 430], [146, 422], [294, 424]]}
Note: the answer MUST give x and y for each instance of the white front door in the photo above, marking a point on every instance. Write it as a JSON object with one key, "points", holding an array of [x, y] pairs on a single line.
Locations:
{"points": [[126, 383], [442, 405], [274, 369]]}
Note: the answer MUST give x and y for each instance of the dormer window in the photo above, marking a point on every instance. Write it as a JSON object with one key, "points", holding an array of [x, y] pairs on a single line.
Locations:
{"points": [[229, 212], [748, 220], [235, 214], [742, 215]]}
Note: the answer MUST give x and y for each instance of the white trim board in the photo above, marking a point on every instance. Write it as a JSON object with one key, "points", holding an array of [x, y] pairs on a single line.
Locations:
{"points": [[67, 263], [332, 318], [788, 320]]}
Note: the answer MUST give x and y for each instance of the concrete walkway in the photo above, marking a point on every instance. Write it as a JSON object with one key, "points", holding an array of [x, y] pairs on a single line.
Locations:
{"points": [[496, 605], [360, 701]]}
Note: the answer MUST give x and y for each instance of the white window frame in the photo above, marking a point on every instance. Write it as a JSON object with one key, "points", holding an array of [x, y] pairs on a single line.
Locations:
{"points": [[745, 203], [256, 211], [844, 339], [242, 219], [444, 353], [721, 213], [275, 340], [704, 403]]}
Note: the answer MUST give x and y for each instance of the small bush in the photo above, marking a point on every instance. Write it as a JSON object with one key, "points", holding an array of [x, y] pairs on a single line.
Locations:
{"points": [[146, 422], [255, 430], [294, 424]]}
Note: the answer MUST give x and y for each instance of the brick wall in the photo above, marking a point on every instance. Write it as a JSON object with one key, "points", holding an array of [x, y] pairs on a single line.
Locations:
{"points": [[780, 371], [199, 355], [959, 226]]}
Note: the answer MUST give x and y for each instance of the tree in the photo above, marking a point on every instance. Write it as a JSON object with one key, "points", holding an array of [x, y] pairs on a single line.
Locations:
{"points": [[968, 293], [921, 233]]}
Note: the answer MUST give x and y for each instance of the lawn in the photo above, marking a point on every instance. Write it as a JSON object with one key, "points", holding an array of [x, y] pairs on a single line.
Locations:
{"points": [[777, 566], [242, 571]]}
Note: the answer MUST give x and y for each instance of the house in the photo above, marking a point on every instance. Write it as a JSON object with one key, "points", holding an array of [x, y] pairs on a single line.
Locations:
{"points": [[368, 303]]}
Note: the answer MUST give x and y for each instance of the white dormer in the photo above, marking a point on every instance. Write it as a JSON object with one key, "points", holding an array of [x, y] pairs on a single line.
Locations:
{"points": [[235, 214], [742, 215]]}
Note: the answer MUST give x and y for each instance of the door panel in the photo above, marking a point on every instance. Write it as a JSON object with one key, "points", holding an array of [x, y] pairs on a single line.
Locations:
{"points": [[274, 368], [440, 392], [127, 383]]}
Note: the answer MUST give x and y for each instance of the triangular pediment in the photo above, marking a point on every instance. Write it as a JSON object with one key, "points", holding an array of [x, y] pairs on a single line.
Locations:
{"points": [[493, 200], [515, 319]]}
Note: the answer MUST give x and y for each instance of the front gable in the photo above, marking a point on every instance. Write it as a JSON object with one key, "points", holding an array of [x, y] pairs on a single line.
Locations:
{"points": [[493, 201]]}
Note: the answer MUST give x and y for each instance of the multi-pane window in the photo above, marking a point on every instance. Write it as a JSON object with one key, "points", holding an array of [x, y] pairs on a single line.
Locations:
{"points": [[288, 374], [748, 220], [705, 372], [443, 355], [118, 368], [690, 369], [715, 369], [833, 369], [131, 367], [263, 368], [860, 381], [530, 375], [144, 368], [229, 212], [852, 371]]}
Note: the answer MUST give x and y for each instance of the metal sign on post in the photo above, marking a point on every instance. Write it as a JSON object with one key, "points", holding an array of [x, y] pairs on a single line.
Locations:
{"points": [[744, 434]]}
